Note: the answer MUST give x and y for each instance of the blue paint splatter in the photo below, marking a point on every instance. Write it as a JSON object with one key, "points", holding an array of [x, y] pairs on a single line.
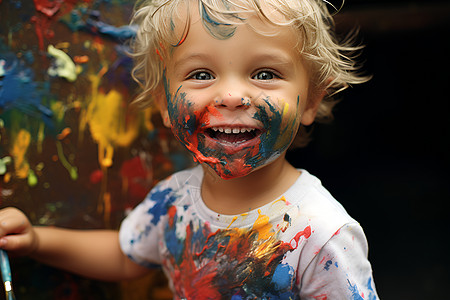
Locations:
{"points": [[283, 277], [164, 200], [354, 290], [94, 26], [327, 265], [174, 245], [18, 90], [372, 294]]}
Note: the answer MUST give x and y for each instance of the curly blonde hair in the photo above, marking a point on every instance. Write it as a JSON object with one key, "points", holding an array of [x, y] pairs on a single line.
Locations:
{"points": [[332, 61]]}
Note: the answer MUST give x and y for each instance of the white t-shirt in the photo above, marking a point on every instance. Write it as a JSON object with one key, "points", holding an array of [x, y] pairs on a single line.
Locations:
{"points": [[302, 245]]}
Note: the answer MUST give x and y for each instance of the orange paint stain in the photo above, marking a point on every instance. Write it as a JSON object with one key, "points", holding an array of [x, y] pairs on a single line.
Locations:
{"points": [[81, 59], [18, 152], [263, 226], [64, 133]]}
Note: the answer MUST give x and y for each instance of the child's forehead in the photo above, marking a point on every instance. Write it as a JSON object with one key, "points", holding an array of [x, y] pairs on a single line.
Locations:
{"points": [[222, 19]]}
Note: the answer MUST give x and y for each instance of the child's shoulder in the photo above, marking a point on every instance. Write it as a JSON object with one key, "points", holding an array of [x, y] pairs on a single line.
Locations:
{"points": [[176, 184], [316, 204]]}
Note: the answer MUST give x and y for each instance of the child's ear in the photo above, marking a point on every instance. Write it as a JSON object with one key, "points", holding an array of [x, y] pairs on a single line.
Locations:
{"points": [[312, 106], [162, 106]]}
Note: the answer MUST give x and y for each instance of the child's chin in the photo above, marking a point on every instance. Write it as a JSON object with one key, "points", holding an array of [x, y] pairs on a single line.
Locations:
{"points": [[231, 170]]}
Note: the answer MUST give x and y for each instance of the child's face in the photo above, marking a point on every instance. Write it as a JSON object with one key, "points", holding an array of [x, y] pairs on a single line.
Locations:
{"points": [[236, 103]]}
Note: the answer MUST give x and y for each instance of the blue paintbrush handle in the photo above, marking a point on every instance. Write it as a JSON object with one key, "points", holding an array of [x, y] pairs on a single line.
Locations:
{"points": [[6, 274], [4, 265]]}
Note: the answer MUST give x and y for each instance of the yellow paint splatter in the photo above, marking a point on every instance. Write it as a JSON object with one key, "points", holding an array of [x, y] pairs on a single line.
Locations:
{"points": [[109, 123], [282, 199], [18, 152], [232, 221], [263, 226], [111, 126]]}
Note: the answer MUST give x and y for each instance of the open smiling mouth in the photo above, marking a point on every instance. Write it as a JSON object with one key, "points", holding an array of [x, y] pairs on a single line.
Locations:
{"points": [[232, 135]]}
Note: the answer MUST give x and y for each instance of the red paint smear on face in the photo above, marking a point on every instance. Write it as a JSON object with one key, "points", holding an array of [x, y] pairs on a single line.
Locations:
{"points": [[231, 163], [193, 144], [321, 297]]}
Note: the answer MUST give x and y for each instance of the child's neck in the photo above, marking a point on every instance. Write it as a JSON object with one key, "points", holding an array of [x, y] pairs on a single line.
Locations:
{"points": [[240, 195]]}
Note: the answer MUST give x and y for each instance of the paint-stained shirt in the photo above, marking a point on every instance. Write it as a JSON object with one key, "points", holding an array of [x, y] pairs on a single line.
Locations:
{"points": [[302, 245]]}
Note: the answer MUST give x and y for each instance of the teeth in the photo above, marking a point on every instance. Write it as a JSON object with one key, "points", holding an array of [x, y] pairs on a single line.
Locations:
{"points": [[232, 130]]}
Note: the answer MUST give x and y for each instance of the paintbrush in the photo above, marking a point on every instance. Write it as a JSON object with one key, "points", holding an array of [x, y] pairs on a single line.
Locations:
{"points": [[6, 275]]}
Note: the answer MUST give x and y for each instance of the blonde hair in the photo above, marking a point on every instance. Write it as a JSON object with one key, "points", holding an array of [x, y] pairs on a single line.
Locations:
{"points": [[332, 62]]}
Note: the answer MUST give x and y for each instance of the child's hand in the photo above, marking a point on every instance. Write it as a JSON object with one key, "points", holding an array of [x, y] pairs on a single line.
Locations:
{"points": [[17, 235]]}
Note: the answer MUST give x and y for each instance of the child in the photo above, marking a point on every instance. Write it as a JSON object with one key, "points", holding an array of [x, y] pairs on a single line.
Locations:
{"points": [[234, 80]]}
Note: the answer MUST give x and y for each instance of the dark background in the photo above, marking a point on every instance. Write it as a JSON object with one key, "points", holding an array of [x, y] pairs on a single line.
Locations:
{"points": [[385, 157]]}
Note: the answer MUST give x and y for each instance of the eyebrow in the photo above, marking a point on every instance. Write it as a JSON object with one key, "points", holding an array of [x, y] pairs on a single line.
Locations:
{"points": [[193, 56], [277, 58]]}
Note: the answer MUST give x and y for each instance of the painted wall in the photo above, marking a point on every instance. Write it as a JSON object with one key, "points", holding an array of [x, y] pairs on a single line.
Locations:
{"points": [[73, 152]]}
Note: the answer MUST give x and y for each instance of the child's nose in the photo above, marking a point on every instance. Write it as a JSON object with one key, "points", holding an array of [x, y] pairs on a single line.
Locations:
{"points": [[233, 99]]}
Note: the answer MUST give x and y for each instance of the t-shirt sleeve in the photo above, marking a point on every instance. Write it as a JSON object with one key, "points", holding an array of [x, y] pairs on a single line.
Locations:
{"points": [[341, 269], [139, 233], [138, 236]]}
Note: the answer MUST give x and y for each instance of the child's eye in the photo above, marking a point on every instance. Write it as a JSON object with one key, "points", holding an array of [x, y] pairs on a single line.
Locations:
{"points": [[265, 75], [201, 75]]}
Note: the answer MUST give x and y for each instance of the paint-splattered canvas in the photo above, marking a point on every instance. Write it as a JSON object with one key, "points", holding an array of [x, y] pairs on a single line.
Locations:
{"points": [[73, 151]]}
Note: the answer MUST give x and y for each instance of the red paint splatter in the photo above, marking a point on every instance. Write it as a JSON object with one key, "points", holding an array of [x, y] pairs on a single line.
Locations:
{"points": [[306, 233], [321, 297], [96, 176], [48, 12], [137, 177], [338, 231], [210, 275], [171, 212]]}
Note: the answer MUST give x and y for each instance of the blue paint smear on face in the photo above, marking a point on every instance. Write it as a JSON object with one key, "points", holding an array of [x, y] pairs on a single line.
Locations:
{"points": [[271, 117], [164, 199], [186, 124]]}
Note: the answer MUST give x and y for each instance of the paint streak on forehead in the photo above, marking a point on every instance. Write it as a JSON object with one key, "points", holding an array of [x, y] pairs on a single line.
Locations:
{"points": [[223, 18]]}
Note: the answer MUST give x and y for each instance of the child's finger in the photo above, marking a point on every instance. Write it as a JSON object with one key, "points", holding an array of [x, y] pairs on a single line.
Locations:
{"points": [[17, 242], [12, 223]]}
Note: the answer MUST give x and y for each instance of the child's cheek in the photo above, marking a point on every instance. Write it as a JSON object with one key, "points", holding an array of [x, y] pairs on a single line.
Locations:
{"points": [[281, 122]]}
